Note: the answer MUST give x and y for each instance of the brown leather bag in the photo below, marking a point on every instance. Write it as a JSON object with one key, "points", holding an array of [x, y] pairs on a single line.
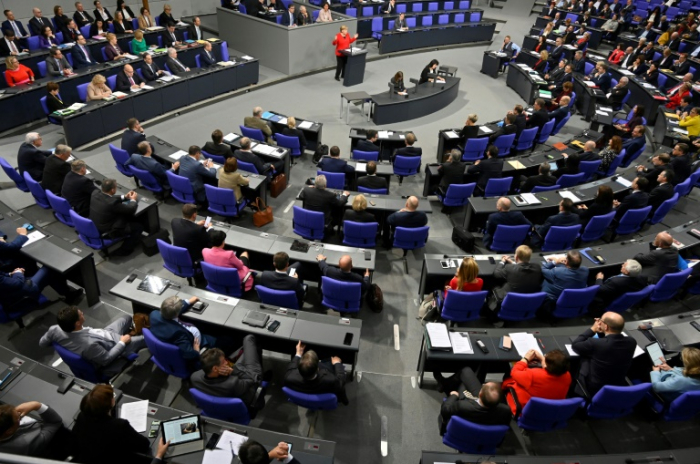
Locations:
{"points": [[277, 185], [141, 321], [263, 215]]}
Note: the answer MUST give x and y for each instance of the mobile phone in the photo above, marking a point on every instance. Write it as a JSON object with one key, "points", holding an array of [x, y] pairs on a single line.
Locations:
{"points": [[274, 326], [28, 226], [368, 256], [506, 343], [213, 440], [695, 325], [481, 346], [600, 259], [519, 199], [348, 338], [131, 278], [65, 385], [444, 264], [491, 260], [207, 221], [372, 203], [289, 451]]}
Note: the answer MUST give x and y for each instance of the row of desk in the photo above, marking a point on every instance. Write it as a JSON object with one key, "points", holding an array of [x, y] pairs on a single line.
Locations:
{"points": [[365, 24], [436, 36]]}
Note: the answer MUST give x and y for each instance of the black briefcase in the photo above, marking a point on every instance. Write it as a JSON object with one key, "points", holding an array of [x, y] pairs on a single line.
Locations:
{"points": [[149, 244], [463, 239]]}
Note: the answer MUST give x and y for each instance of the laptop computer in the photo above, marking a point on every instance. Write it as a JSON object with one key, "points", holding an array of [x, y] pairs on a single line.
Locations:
{"points": [[185, 433]]}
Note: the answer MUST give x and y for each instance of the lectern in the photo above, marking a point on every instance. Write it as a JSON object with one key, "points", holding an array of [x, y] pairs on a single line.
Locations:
{"points": [[355, 67]]}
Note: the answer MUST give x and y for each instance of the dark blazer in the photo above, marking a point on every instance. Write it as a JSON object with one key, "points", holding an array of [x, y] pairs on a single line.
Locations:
{"points": [[149, 164], [589, 156], [110, 214], [170, 331], [666, 62], [559, 220], [6, 26], [452, 173], [539, 66], [372, 182], [366, 145], [287, 19], [359, 216], [53, 103], [505, 218], [123, 83], [388, 8], [128, 10], [519, 278], [398, 85], [408, 219], [123, 27], [321, 200], [96, 435], [166, 19], [407, 151], [658, 262], [150, 73], [559, 114], [594, 209], [168, 39], [32, 160], [651, 174], [131, 140], [113, 51], [489, 168], [506, 129], [5, 48], [633, 200], [282, 281], [538, 180], [84, 19], [616, 286], [520, 123], [328, 380], [617, 94], [557, 52], [190, 235], [681, 68], [658, 195], [192, 32], [55, 171], [538, 119], [80, 59], [296, 133], [604, 360], [632, 145], [208, 58], [469, 409], [652, 78], [36, 25], [639, 70], [579, 65], [173, 66], [93, 29], [77, 190], [603, 81], [330, 164], [237, 385], [674, 44], [336, 274], [195, 172], [250, 157], [681, 168], [106, 12], [468, 132], [222, 149]]}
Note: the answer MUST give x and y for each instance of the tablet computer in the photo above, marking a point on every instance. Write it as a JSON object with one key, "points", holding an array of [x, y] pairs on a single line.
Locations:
{"points": [[655, 353], [184, 433]]}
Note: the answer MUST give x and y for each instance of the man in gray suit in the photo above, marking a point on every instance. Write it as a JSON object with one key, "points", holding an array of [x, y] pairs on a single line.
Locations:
{"points": [[57, 64], [30, 438], [104, 348]]}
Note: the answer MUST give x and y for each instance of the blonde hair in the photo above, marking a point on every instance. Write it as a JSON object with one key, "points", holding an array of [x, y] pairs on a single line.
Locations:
{"points": [[138, 34], [691, 362], [291, 122], [342, 28], [467, 273], [359, 203], [8, 62], [98, 79], [523, 253], [544, 54], [110, 36]]}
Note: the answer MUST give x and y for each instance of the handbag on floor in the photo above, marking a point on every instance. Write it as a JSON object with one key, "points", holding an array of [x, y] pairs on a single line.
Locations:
{"points": [[428, 310], [277, 185], [263, 215]]}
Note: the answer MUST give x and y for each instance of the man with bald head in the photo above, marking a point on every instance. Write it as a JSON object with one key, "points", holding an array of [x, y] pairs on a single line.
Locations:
{"points": [[606, 354], [345, 273], [128, 80], [661, 260], [589, 152], [408, 216], [256, 122], [504, 217]]}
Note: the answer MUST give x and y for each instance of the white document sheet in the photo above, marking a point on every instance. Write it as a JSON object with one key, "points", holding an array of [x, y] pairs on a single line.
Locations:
{"points": [[637, 350], [530, 198], [571, 350], [136, 414], [452, 134], [361, 167], [623, 181], [217, 456], [33, 237], [567, 194], [461, 343], [524, 342], [305, 125], [439, 337], [485, 130], [231, 440], [178, 154]]}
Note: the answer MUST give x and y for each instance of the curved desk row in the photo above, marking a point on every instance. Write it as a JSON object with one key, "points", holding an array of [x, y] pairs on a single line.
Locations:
{"points": [[408, 6], [667, 132], [421, 100], [436, 36], [365, 24]]}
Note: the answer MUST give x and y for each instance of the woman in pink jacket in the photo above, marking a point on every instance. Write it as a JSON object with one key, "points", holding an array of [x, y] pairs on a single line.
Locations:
{"points": [[218, 256]]}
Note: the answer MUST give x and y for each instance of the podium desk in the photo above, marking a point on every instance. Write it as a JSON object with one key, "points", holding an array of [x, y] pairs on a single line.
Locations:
{"points": [[354, 67], [490, 64]]}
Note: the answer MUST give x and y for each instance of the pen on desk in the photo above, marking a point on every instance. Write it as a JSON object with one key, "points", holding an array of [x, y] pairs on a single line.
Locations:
{"points": [[539, 340], [231, 445]]}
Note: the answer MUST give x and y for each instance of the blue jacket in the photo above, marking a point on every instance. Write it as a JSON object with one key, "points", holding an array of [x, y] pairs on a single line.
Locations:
{"points": [[560, 220], [632, 146], [195, 172], [8, 250], [509, 218], [672, 384], [559, 114], [287, 19], [172, 332], [558, 278], [149, 164], [80, 60], [329, 164], [6, 26], [603, 81], [15, 286]]}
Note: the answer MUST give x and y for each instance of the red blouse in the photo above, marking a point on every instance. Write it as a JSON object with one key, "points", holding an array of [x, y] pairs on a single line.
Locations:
{"points": [[18, 76], [535, 382], [342, 43], [467, 287]]}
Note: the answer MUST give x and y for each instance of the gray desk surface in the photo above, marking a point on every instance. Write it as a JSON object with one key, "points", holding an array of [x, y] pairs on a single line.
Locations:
{"points": [[389, 203], [425, 90], [682, 456], [333, 253]]}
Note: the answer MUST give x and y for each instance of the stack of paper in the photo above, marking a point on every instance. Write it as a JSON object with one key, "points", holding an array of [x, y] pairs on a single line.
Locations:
{"points": [[602, 113], [485, 130], [530, 198], [246, 57], [33, 237], [306, 124], [461, 343], [136, 414], [76, 106], [516, 164], [554, 257], [178, 154], [451, 134], [567, 194], [230, 137], [589, 83], [226, 63], [623, 181], [438, 336], [155, 28], [383, 134], [231, 441], [264, 149], [524, 342], [637, 350]]}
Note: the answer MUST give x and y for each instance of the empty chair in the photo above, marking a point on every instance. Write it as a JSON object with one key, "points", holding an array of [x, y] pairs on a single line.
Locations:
{"points": [[540, 188], [406, 166], [308, 224], [629, 299], [633, 156], [683, 189], [546, 131], [410, 239], [475, 17], [667, 287], [663, 209], [498, 187], [177, 260], [45, 107], [281, 298], [166, 356], [462, 306], [361, 235], [313, 402], [82, 91], [348, 11], [457, 194], [215, 158], [589, 168], [61, 208], [526, 140], [562, 123], [474, 149], [41, 67], [37, 191], [344, 297], [120, 158], [147, 180], [613, 402], [467, 437], [365, 155], [432, 6], [417, 6], [249, 167], [367, 11], [182, 188], [411, 23], [224, 280], [464, 4], [254, 134], [560, 238], [543, 415], [683, 408], [226, 409], [521, 306], [14, 175], [290, 142], [448, 6], [459, 18], [571, 180], [222, 201], [373, 191], [426, 21], [334, 180], [504, 143], [88, 233], [443, 19], [632, 221], [508, 238], [596, 227], [574, 302]]}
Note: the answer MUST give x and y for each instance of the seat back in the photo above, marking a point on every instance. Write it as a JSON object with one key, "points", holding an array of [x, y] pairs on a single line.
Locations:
{"points": [[663, 209], [668, 285], [120, 158], [634, 156], [632, 220], [344, 297], [474, 149], [543, 415], [384, 191], [508, 238], [560, 238], [467, 437], [459, 18], [561, 124], [432, 6], [570, 180], [112, 82], [411, 23], [464, 4], [417, 7], [365, 155], [82, 91], [348, 11], [448, 6], [684, 188], [37, 191], [309, 224], [197, 58], [521, 306], [224, 280], [215, 158], [61, 208], [463, 306], [426, 21], [334, 180], [589, 168], [87, 231], [182, 188], [147, 180], [503, 143], [313, 402], [176, 259], [282, 298], [588, 67], [443, 19], [498, 187], [597, 227], [358, 234], [406, 165], [80, 367], [377, 23], [574, 302], [527, 139], [222, 201], [226, 409], [540, 188], [166, 356], [14, 175], [615, 163], [458, 194], [685, 407], [629, 299], [250, 167], [291, 142], [85, 31], [411, 238], [254, 134], [612, 402], [367, 11]]}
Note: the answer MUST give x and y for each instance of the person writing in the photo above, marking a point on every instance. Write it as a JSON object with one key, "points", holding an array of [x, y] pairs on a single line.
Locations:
{"points": [[97, 89], [342, 41], [397, 82], [400, 24]]}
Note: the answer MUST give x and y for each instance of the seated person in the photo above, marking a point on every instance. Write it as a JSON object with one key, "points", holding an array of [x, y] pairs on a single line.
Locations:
{"points": [[317, 198], [31, 158], [370, 143], [470, 400], [256, 122], [150, 69], [408, 216], [334, 163], [173, 64], [397, 83], [53, 98], [30, 440], [560, 113], [189, 233], [198, 173], [563, 273], [409, 149], [359, 212], [292, 131], [566, 217], [252, 452], [284, 277], [628, 280], [14, 286], [114, 215], [217, 146], [661, 260], [466, 278], [548, 378], [207, 56], [542, 179], [663, 191], [636, 199], [247, 156], [218, 378], [489, 168], [144, 160], [77, 188], [219, 256], [98, 89], [112, 49], [520, 275], [372, 180], [230, 178], [508, 127], [602, 205], [452, 172], [128, 80], [504, 216], [571, 166], [306, 374], [343, 272], [104, 348], [56, 169], [672, 382]]}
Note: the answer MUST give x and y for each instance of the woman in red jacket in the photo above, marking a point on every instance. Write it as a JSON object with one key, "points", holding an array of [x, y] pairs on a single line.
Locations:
{"points": [[342, 41], [551, 382], [675, 100], [616, 55]]}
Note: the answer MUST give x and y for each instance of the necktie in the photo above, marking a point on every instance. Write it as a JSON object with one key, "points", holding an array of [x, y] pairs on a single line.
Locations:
{"points": [[14, 26], [13, 48], [87, 56], [180, 64], [173, 36], [82, 15], [58, 63], [151, 68]]}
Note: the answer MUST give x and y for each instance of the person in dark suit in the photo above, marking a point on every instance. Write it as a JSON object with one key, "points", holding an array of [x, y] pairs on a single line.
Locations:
{"points": [[284, 277], [37, 23], [409, 149], [504, 216], [217, 146], [207, 56], [560, 113], [166, 17], [452, 172], [605, 359], [470, 129], [578, 64], [82, 57], [520, 120], [195, 31], [292, 131], [37, 439], [334, 163], [565, 217], [358, 212], [113, 215], [252, 452], [661, 192], [11, 24], [588, 153], [571, 166], [70, 32], [53, 102], [557, 53], [343, 272], [507, 128], [618, 93], [150, 69], [400, 23], [600, 76], [520, 275], [189, 233], [77, 188], [408, 216], [57, 65], [682, 65], [317, 198], [661, 260], [636, 199], [666, 60], [370, 143], [634, 143], [171, 36], [244, 154], [288, 17], [56, 169], [602, 205], [10, 45], [142, 159], [30, 158], [490, 168], [389, 8], [430, 69], [306, 374], [539, 117], [176, 67], [659, 163], [127, 79], [132, 136], [255, 7], [197, 173], [563, 273], [372, 180], [81, 17], [468, 399], [680, 163], [101, 12], [652, 75], [628, 280], [542, 179]]}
